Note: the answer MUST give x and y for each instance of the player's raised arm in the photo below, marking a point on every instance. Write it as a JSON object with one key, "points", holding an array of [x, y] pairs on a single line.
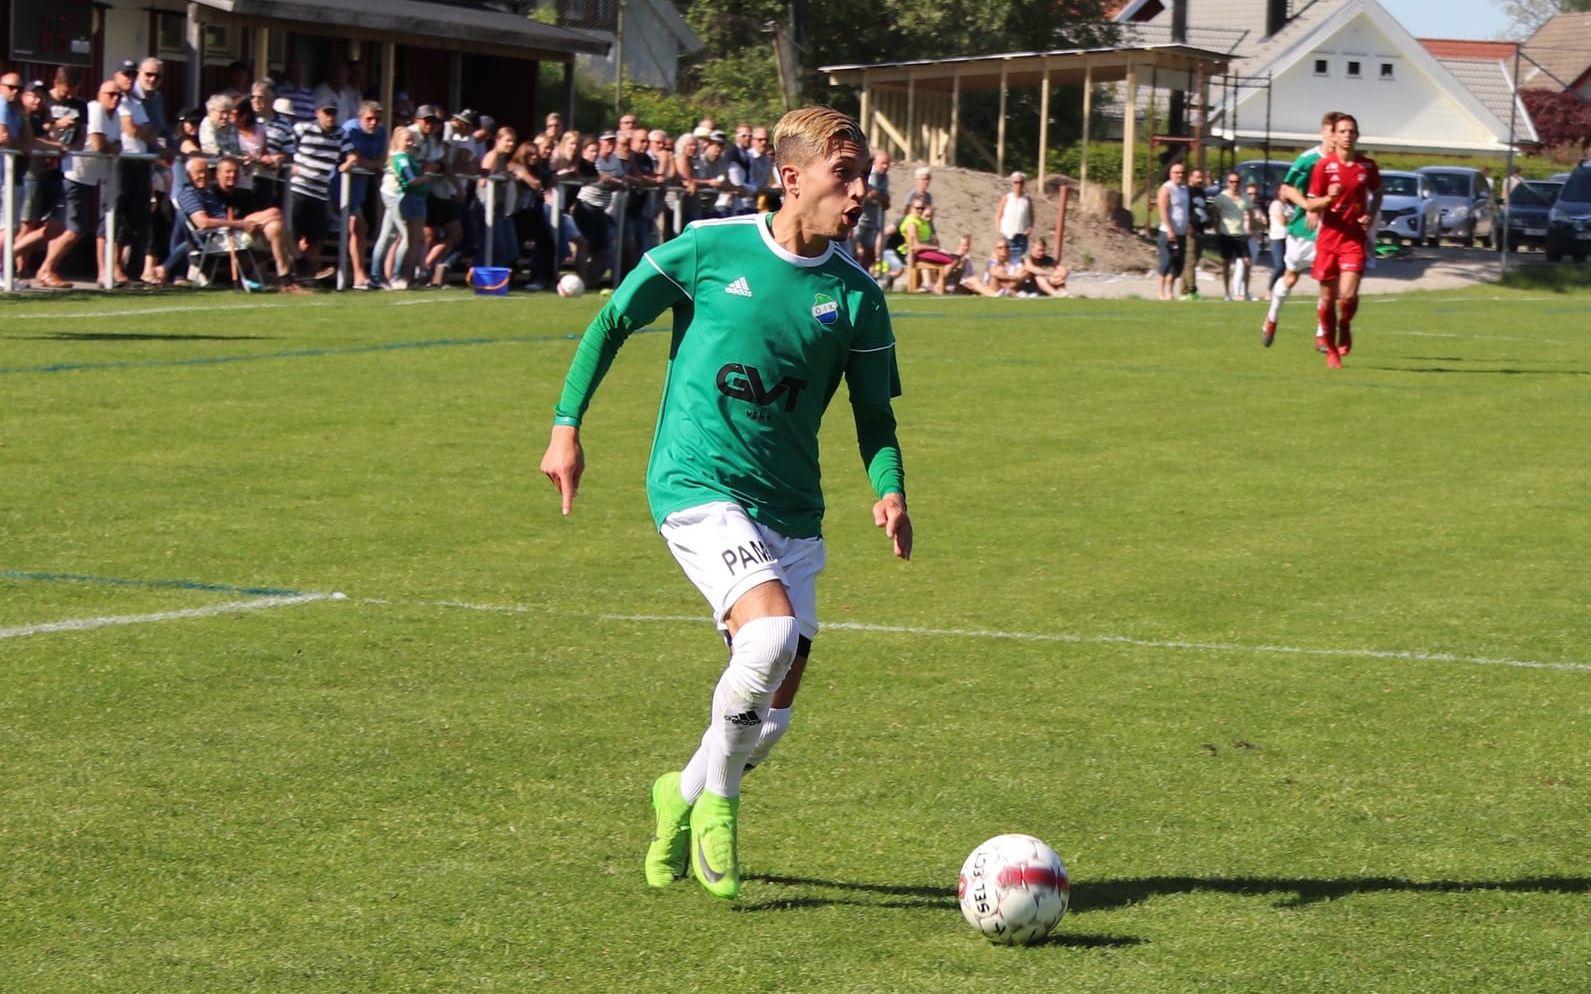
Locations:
{"points": [[658, 283], [873, 378]]}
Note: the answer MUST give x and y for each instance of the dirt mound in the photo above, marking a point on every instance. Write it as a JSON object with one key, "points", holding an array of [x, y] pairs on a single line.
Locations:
{"points": [[964, 204]]}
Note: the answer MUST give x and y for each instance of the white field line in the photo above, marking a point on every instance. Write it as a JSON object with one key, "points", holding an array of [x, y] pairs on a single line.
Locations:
{"points": [[105, 621], [53, 315], [1486, 338], [1066, 637], [1075, 639]]}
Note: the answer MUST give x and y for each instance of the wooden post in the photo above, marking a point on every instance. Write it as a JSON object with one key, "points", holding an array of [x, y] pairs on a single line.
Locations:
{"points": [[911, 115], [1060, 221], [193, 48], [262, 53], [1129, 135], [1149, 160], [1201, 90], [999, 146], [389, 80], [1088, 112], [866, 115], [1044, 123], [955, 112]]}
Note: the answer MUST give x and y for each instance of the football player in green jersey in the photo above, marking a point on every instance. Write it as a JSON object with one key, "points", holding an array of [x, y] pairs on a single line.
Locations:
{"points": [[769, 316], [1299, 254]]}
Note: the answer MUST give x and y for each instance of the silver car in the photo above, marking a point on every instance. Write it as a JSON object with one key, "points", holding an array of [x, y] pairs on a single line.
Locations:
{"points": [[1408, 211], [1465, 199]]}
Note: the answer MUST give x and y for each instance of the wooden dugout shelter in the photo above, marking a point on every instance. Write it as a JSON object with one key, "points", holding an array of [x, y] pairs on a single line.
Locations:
{"points": [[913, 109]]}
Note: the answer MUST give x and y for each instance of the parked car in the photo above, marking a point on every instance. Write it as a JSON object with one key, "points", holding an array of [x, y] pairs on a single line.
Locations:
{"points": [[1465, 198], [1569, 221], [1408, 211], [1525, 215]]}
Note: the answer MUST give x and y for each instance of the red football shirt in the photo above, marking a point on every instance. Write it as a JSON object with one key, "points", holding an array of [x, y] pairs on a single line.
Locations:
{"points": [[1339, 222]]}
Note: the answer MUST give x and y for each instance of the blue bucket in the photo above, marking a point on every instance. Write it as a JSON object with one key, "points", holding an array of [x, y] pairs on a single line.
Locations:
{"points": [[490, 281]]}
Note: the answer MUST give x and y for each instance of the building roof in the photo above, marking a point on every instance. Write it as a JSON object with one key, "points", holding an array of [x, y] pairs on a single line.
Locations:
{"points": [[1021, 69], [1457, 48], [1561, 52], [1488, 80], [415, 22]]}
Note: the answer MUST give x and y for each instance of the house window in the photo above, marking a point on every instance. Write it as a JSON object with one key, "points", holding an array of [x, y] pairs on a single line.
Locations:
{"points": [[1322, 68], [1386, 70], [1353, 69]]}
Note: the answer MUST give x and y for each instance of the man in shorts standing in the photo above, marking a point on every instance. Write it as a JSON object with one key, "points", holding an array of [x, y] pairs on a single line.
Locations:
{"points": [[875, 207], [1299, 252], [1171, 203], [770, 314], [1346, 188]]}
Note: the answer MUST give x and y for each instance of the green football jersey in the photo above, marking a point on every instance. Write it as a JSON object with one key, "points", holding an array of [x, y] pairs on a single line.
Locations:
{"points": [[761, 340], [1298, 178]]}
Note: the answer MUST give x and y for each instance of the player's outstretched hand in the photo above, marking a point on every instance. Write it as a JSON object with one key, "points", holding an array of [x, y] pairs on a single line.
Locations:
{"points": [[890, 514], [564, 463]]}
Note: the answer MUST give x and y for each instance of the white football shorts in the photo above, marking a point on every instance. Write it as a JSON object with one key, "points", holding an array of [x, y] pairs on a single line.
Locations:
{"points": [[1298, 255], [725, 553]]}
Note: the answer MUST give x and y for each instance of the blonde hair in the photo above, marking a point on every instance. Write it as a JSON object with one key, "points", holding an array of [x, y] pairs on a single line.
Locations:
{"points": [[812, 133]]}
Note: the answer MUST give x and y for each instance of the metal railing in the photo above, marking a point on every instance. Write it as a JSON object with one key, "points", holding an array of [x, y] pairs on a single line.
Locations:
{"points": [[562, 197]]}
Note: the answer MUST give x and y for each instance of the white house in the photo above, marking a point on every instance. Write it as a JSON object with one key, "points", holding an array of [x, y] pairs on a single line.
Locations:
{"points": [[1349, 55], [649, 35]]}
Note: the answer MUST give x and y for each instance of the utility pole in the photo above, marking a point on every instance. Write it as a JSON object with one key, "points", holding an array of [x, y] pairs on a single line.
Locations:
{"points": [[618, 62], [1508, 170]]}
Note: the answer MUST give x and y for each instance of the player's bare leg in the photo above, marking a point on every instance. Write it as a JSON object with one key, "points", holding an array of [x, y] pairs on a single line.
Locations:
{"points": [[1347, 307]]}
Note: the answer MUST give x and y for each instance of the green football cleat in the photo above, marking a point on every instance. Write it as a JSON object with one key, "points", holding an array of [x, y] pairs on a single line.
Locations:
{"points": [[714, 857], [669, 850]]}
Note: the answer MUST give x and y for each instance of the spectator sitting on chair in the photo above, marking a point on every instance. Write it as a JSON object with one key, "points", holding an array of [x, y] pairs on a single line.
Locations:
{"points": [[1002, 275], [922, 246], [207, 210], [1044, 274], [241, 211]]}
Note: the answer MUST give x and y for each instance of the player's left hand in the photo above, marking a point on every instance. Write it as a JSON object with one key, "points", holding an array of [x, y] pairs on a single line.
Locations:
{"points": [[890, 514]]}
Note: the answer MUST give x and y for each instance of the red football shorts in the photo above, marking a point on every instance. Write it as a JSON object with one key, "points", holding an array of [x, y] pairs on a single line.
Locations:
{"points": [[1333, 261]]}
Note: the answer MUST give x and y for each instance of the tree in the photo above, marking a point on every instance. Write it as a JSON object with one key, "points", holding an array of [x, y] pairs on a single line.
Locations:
{"points": [[1562, 118], [1525, 16]]}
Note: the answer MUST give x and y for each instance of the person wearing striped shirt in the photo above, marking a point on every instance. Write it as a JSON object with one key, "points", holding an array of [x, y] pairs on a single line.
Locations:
{"points": [[323, 149]]}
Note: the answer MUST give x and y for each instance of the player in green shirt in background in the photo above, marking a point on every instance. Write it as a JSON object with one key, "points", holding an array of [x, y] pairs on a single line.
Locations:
{"points": [[770, 315], [1300, 251]]}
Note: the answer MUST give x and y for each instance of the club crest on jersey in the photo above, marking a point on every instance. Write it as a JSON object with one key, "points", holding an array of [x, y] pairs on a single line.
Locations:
{"points": [[825, 309]]}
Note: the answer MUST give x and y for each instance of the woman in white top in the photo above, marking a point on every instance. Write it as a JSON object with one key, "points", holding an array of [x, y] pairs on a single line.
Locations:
{"points": [[1013, 217], [1277, 233]]}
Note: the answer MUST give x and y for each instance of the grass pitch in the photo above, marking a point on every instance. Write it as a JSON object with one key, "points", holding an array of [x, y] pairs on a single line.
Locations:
{"points": [[1292, 667]]}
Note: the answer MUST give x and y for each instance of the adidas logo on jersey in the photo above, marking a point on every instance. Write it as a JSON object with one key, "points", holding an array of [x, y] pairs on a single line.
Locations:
{"points": [[739, 288]]}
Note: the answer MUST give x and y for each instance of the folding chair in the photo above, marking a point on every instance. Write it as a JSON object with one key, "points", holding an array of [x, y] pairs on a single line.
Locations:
{"points": [[208, 249]]}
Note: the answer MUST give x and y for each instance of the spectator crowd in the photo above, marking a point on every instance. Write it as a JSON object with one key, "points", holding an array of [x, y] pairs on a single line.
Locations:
{"points": [[264, 167]]}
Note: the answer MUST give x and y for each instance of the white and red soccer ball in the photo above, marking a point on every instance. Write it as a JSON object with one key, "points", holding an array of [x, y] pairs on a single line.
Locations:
{"points": [[571, 286], [1014, 889]]}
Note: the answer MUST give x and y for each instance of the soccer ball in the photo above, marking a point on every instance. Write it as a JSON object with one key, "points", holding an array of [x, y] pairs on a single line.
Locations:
{"points": [[571, 286], [1014, 889]]}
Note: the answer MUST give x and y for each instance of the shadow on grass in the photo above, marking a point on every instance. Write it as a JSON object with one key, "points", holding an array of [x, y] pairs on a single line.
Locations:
{"points": [[1557, 277], [1504, 371], [1108, 895], [137, 336], [1112, 894]]}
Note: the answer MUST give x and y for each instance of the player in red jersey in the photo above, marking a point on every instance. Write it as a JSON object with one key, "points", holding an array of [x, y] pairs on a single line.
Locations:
{"points": [[1345, 188]]}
